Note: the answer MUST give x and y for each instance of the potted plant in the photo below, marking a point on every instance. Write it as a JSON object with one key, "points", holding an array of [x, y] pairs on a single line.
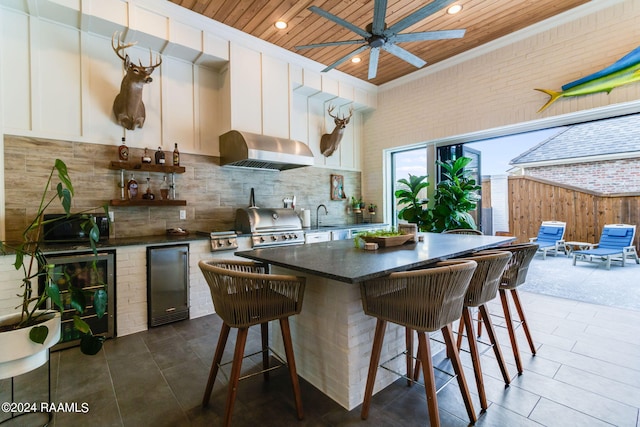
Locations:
{"points": [[37, 324], [414, 208], [357, 204], [372, 208], [455, 197]]}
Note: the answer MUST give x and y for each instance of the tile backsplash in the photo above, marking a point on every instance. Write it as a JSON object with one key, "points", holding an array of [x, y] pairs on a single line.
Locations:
{"points": [[212, 192]]}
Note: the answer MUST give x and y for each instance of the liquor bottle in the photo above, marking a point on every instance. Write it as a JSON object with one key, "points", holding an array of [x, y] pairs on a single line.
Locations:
{"points": [[132, 188], [123, 151], [145, 157], [160, 156], [176, 156], [148, 195], [164, 188]]}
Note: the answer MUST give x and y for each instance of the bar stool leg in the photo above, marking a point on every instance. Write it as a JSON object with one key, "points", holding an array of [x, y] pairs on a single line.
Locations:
{"points": [[523, 320], [484, 312], [424, 355], [236, 367], [512, 332], [460, 333], [213, 372], [409, 345], [475, 357], [457, 367], [291, 362], [264, 333], [381, 325]]}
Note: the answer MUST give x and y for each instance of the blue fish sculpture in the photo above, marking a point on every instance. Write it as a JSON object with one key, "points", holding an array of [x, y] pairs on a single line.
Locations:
{"points": [[624, 71]]}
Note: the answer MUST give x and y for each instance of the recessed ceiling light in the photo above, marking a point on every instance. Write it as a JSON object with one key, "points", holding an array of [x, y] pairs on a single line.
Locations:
{"points": [[281, 25], [356, 59], [454, 9]]}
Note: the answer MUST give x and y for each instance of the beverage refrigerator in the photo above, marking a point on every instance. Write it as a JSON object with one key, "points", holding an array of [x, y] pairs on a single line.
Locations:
{"points": [[78, 269]]}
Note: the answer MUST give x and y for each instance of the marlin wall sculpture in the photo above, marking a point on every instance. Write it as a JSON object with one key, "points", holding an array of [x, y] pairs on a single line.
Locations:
{"points": [[624, 71]]}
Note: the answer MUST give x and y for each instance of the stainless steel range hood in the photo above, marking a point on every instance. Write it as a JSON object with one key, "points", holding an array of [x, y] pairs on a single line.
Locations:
{"points": [[251, 150]]}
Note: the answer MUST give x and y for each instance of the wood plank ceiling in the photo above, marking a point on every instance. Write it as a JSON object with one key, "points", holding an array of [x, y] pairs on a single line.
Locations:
{"points": [[484, 21]]}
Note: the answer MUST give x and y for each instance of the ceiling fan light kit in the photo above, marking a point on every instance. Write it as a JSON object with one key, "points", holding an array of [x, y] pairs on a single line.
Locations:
{"points": [[377, 36]]}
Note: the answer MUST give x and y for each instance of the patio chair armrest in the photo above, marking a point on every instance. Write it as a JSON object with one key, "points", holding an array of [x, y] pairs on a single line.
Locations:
{"points": [[532, 239]]}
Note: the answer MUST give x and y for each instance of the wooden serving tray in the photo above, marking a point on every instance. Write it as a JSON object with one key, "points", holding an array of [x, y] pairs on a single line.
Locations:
{"points": [[385, 242]]}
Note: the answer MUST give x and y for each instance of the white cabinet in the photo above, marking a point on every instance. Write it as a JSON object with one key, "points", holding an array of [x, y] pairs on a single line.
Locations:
{"points": [[322, 236]]}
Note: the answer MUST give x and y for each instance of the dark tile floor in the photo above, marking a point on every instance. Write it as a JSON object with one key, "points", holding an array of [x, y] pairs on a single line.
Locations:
{"points": [[586, 373]]}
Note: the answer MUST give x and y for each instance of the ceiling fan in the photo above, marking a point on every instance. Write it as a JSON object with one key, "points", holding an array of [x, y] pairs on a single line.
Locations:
{"points": [[377, 36]]}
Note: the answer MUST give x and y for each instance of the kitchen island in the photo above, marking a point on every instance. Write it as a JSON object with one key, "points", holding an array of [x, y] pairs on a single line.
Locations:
{"points": [[332, 336]]}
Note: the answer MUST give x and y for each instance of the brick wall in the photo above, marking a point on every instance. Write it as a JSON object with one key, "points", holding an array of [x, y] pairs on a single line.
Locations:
{"points": [[496, 88], [615, 176]]}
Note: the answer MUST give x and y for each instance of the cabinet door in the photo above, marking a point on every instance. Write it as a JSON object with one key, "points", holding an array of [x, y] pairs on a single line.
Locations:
{"points": [[275, 97], [245, 87], [317, 237]]}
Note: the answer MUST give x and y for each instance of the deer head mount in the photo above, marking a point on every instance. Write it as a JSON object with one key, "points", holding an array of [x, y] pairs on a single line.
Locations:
{"points": [[330, 141], [128, 106]]}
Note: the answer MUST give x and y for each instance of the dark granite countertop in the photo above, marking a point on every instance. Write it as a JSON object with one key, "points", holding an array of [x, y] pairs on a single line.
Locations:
{"points": [[115, 243], [341, 260], [333, 227]]}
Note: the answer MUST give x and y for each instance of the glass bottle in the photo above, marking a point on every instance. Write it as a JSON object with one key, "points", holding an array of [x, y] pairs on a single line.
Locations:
{"points": [[132, 188], [148, 195], [164, 188], [160, 158], [176, 156], [145, 157], [123, 151]]}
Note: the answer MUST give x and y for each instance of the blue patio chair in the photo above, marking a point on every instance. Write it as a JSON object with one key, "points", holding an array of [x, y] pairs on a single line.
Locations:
{"points": [[550, 237], [616, 244]]}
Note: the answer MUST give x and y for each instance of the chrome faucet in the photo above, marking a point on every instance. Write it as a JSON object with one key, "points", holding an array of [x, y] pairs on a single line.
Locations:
{"points": [[326, 212]]}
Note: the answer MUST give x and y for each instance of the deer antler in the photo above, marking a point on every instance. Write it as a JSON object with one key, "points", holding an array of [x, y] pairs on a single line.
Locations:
{"points": [[329, 110], [121, 46]]}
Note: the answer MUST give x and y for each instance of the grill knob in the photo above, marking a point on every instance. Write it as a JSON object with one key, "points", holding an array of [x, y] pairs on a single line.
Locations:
{"points": [[261, 239], [274, 238]]}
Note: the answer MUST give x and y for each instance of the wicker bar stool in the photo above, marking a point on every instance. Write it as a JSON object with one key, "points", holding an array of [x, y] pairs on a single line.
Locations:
{"points": [[425, 301], [482, 289], [244, 294], [513, 276]]}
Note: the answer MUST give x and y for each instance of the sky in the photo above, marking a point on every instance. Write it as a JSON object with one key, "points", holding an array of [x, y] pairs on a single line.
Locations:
{"points": [[498, 152]]}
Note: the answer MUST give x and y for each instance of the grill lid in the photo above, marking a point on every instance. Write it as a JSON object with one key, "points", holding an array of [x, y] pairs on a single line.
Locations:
{"points": [[265, 220], [251, 150]]}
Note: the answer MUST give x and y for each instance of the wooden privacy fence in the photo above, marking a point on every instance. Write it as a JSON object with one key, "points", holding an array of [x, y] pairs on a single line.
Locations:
{"points": [[533, 200]]}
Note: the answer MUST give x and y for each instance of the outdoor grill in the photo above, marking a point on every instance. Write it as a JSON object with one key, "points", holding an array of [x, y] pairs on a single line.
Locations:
{"points": [[270, 227]]}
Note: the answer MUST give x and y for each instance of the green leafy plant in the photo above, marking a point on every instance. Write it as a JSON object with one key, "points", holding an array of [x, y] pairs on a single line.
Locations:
{"points": [[31, 259], [455, 197], [360, 237], [414, 208]]}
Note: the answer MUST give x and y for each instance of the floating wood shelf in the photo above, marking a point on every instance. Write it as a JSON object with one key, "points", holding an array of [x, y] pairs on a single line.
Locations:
{"points": [[146, 167], [145, 202]]}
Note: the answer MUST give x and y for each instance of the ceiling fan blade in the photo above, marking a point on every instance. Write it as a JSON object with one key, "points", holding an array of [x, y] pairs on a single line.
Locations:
{"points": [[427, 35], [373, 62], [405, 55], [379, 12], [345, 58], [338, 43], [417, 16], [340, 21]]}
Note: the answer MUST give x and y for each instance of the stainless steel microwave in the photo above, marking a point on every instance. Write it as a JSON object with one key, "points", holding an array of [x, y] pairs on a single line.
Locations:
{"points": [[60, 228]]}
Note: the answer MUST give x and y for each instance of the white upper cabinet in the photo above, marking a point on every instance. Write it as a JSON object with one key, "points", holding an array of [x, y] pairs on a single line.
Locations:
{"points": [[245, 88], [275, 97], [64, 77]]}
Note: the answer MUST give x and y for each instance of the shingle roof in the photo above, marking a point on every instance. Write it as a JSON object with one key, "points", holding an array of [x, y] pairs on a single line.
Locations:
{"points": [[596, 138]]}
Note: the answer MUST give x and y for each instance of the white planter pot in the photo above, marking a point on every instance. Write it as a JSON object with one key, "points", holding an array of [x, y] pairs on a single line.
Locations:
{"points": [[18, 354]]}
